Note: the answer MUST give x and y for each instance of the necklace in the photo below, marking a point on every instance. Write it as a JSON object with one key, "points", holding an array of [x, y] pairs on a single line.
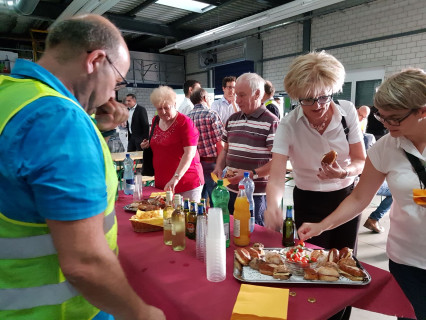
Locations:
{"points": [[319, 127]]}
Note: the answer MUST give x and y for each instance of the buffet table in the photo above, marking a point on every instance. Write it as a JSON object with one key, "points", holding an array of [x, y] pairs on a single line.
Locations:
{"points": [[176, 281]]}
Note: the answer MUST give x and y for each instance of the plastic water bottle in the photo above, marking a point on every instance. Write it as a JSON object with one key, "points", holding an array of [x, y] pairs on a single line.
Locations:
{"points": [[220, 197], [249, 188], [129, 175]]}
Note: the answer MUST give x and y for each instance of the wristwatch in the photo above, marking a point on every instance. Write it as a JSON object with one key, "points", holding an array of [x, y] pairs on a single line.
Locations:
{"points": [[255, 175]]}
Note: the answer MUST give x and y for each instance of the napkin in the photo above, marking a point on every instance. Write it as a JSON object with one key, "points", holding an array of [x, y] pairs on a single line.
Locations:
{"points": [[256, 302], [419, 196], [215, 178], [156, 194]]}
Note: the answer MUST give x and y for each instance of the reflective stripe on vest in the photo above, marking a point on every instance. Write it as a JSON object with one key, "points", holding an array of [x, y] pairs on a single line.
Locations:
{"points": [[25, 298], [38, 246]]}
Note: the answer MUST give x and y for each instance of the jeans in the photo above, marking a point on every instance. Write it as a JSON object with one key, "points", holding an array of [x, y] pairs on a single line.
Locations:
{"points": [[259, 207], [412, 281], [386, 203], [209, 184]]}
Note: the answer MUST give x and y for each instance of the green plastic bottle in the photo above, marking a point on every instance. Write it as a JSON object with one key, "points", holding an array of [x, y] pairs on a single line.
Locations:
{"points": [[220, 197]]}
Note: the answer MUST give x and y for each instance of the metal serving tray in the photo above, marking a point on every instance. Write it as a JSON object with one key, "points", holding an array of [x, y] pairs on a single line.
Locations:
{"points": [[249, 275]]}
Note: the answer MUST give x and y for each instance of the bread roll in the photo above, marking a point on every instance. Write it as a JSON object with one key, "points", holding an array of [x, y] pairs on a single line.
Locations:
{"points": [[267, 268], [310, 274], [329, 157], [347, 261], [333, 255], [345, 253], [259, 248], [273, 257], [328, 274], [281, 273], [254, 263], [253, 253], [243, 256], [351, 272]]}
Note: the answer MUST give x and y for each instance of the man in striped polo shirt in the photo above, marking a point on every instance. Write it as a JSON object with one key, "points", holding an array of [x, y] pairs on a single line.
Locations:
{"points": [[248, 137]]}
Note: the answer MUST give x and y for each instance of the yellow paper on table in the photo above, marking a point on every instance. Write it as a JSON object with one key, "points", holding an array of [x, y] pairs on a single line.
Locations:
{"points": [[215, 178], [156, 194], [256, 302]]}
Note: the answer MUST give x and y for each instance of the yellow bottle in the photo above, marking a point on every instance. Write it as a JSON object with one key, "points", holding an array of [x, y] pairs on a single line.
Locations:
{"points": [[167, 218], [241, 219]]}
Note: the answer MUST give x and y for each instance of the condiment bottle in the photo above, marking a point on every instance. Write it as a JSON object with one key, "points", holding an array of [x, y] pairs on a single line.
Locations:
{"points": [[241, 219]]}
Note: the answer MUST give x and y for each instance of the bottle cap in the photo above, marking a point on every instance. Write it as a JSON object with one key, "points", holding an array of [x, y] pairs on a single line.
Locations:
{"points": [[220, 182], [246, 174]]}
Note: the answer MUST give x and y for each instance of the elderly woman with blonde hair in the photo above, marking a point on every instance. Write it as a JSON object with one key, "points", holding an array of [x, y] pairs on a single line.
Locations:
{"points": [[316, 126], [174, 145], [400, 157]]}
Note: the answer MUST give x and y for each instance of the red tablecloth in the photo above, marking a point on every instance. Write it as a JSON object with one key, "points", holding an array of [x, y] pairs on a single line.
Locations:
{"points": [[176, 281]]}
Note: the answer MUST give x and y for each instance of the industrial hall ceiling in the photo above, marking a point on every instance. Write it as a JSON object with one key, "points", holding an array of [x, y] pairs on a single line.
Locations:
{"points": [[150, 26]]}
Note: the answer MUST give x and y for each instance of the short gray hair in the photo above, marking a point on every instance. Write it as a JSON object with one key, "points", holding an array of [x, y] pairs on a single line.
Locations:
{"points": [[254, 81]]}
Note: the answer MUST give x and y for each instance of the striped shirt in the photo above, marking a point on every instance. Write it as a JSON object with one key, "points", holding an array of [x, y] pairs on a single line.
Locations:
{"points": [[210, 127], [250, 138]]}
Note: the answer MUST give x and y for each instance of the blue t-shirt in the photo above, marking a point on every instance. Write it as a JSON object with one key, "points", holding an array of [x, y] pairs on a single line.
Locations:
{"points": [[51, 160]]}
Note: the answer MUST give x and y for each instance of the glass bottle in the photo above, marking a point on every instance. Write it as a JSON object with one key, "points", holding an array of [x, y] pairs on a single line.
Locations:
{"points": [[129, 175], [241, 219], [178, 225], [201, 230], [191, 221], [220, 197], [186, 209], [289, 228], [167, 219]]}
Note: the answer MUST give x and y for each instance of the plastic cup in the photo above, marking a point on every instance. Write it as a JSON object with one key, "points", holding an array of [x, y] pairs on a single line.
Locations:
{"points": [[215, 223], [137, 195], [216, 258]]}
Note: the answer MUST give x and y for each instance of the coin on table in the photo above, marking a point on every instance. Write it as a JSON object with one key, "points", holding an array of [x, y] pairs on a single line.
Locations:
{"points": [[292, 293], [312, 300]]}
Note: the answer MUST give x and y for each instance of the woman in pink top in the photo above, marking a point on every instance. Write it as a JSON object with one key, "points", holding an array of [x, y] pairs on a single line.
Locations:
{"points": [[174, 145]]}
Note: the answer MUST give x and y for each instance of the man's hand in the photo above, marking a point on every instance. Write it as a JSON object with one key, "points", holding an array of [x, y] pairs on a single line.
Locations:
{"points": [[218, 172], [237, 177], [110, 115]]}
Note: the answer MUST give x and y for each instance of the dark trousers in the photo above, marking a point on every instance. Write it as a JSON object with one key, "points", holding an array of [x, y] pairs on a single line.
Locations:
{"points": [[209, 184], [134, 143], [314, 206], [259, 207], [412, 281]]}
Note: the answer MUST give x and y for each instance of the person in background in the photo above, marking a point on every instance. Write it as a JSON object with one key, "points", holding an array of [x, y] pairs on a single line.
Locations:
{"points": [[401, 104], [174, 146], [372, 223], [186, 105], [57, 198], [374, 126], [226, 106], [279, 103], [248, 137], [210, 142], [268, 99], [311, 130], [137, 124]]}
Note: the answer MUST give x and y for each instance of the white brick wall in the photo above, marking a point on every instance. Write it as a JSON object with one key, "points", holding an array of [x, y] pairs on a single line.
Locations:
{"points": [[375, 19]]}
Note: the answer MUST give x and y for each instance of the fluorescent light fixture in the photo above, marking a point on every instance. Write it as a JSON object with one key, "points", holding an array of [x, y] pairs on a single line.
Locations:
{"points": [[189, 5], [280, 13], [86, 6]]}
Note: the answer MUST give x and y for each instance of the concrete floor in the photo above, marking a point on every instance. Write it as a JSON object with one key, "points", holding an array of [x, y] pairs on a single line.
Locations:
{"points": [[371, 249]]}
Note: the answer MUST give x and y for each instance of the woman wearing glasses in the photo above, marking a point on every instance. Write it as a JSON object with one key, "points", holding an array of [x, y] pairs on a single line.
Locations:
{"points": [[174, 146], [401, 104], [312, 129]]}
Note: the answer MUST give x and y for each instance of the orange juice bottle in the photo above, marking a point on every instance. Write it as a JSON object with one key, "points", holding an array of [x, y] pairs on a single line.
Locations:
{"points": [[241, 219]]}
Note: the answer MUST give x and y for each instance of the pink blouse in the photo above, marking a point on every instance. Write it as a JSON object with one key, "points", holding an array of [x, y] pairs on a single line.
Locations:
{"points": [[167, 147]]}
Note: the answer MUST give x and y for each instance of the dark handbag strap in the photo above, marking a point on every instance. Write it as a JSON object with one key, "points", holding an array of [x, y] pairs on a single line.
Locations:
{"points": [[345, 126], [418, 167], [153, 127]]}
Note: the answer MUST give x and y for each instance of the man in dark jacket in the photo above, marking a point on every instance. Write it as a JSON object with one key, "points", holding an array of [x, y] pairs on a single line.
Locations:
{"points": [[137, 125]]}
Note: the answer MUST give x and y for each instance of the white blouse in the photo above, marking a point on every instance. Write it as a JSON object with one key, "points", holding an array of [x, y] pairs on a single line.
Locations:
{"points": [[407, 234], [305, 147]]}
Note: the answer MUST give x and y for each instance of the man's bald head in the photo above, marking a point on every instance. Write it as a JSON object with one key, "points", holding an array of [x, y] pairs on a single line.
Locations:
{"points": [[363, 112], [85, 33]]}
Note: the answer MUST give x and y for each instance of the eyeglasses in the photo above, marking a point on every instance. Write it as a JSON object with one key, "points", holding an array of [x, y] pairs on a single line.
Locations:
{"points": [[120, 84], [392, 122], [311, 101], [230, 87]]}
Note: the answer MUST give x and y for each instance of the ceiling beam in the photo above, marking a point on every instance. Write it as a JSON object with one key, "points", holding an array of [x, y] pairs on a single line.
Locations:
{"points": [[127, 24], [140, 7]]}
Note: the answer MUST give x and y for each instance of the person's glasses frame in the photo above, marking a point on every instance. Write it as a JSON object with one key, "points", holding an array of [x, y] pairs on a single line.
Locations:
{"points": [[311, 101], [392, 122], [230, 87], [119, 84]]}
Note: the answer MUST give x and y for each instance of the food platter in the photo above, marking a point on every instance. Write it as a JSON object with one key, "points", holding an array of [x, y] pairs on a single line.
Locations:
{"points": [[130, 208], [249, 275]]}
